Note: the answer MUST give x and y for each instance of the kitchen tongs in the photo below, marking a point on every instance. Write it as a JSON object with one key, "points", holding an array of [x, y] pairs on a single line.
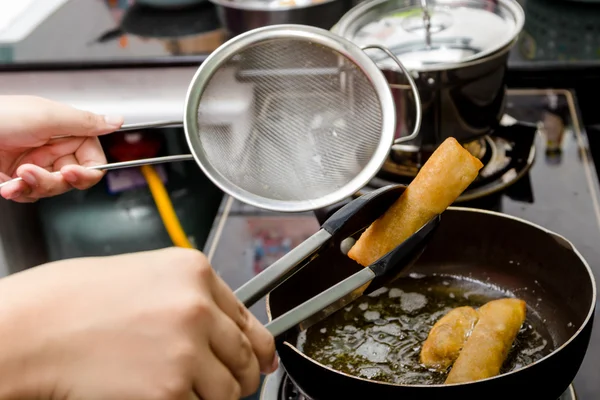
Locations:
{"points": [[348, 222]]}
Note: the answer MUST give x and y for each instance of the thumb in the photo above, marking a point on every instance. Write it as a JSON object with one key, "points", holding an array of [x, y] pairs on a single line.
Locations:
{"points": [[44, 118]]}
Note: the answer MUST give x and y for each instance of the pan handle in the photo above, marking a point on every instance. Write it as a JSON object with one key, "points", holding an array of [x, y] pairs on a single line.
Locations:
{"points": [[413, 86]]}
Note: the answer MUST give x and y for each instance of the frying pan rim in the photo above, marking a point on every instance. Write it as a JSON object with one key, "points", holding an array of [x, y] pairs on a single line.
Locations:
{"points": [[583, 325]]}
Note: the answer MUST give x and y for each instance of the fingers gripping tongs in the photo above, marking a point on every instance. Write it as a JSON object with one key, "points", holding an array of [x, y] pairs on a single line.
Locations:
{"points": [[347, 222]]}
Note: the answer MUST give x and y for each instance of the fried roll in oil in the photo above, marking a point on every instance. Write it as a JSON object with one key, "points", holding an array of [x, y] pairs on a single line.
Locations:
{"points": [[447, 338], [445, 175], [487, 348]]}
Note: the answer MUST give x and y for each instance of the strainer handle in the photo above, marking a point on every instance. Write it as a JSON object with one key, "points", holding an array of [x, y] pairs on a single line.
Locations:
{"points": [[413, 87], [127, 164], [136, 127], [134, 163], [148, 125]]}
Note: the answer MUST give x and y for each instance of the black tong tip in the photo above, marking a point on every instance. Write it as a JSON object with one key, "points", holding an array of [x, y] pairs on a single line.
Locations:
{"points": [[347, 221]]}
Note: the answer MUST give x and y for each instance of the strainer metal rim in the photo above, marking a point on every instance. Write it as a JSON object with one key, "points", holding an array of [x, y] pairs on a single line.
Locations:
{"points": [[317, 35]]}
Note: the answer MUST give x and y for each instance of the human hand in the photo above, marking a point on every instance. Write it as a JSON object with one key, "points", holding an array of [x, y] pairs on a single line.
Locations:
{"points": [[152, 325], [27, 150]]}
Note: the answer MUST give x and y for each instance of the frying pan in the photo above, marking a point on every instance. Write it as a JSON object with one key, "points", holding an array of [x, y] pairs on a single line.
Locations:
{"points": [[508, 252]]}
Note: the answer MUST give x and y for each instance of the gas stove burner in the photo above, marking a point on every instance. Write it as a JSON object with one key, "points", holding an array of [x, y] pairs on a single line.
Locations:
{"points": [[279, 386], [507, 156], [405, 163], [194, 22]]}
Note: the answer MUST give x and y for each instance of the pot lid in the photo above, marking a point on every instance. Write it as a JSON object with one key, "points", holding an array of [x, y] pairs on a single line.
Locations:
{"points": [[438, 35]]}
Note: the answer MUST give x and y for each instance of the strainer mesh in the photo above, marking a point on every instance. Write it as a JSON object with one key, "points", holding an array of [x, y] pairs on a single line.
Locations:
{"points": [[290, 120]]}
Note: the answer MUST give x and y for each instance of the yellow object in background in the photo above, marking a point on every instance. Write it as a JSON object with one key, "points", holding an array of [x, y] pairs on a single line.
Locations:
{"points": [[165, 207]]}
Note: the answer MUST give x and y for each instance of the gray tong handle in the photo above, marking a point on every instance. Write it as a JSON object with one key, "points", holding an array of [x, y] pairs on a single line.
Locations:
{"points": [[134, 163], [322, 305], [280, 270]]}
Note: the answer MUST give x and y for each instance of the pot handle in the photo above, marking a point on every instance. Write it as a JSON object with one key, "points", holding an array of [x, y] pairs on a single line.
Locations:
{"points": [[413, 87]]}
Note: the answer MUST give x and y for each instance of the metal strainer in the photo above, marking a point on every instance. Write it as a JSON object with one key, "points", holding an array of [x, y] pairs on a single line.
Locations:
{"points": [[288, 118]]}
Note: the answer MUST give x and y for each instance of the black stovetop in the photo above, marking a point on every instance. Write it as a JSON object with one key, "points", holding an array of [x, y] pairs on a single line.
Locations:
{"points": [[557, 34], [560, 191]]}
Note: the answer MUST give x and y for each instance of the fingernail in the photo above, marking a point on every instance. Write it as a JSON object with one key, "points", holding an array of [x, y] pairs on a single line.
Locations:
{"points": [[29, 179], [113, 120], [15, 195], [70, 177]]}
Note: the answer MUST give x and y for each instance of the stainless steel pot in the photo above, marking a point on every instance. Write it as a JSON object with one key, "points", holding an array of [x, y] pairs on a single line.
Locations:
{"points": [[238, 16], [457, 52]]}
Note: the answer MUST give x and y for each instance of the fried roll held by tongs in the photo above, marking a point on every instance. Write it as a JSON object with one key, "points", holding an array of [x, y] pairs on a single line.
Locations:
{"points": [[445, 175]]}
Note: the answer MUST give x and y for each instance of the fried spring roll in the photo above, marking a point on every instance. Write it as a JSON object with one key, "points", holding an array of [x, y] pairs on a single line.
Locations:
{"points": [[447, 338], [487, 348], [445, 175]]}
